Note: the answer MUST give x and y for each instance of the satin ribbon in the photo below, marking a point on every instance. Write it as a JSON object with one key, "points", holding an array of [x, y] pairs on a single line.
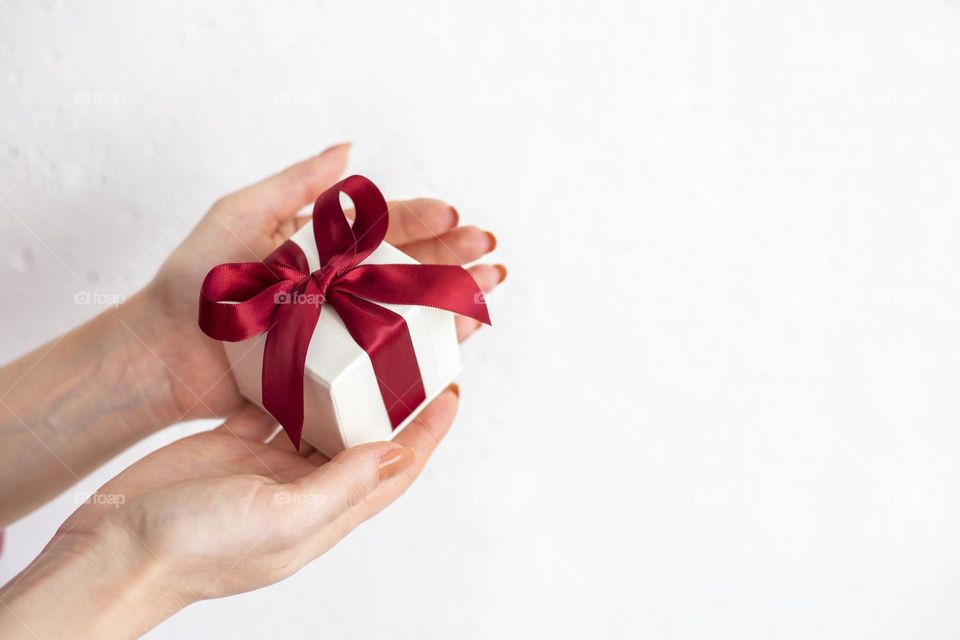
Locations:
{"points": [[282, 297]]}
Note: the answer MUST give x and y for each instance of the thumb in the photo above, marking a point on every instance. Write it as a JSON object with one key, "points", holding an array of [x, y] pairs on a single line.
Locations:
{"points": [[351, 476], [280, 196]]}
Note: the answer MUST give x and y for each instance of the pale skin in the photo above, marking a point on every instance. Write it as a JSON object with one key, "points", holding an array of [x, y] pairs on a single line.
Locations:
{"points": [[219, 513]]}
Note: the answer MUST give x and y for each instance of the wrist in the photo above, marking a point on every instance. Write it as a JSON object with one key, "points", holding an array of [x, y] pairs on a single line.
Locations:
{"points": [[129, 390], [72, 404], [98, 584], [141, 341]]}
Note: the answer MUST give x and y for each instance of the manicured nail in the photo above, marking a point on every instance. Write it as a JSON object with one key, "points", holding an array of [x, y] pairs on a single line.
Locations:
{"points": [[455, 388], [342, 145], [456, 215], [503, 272], [396, 461], [493, 240]]}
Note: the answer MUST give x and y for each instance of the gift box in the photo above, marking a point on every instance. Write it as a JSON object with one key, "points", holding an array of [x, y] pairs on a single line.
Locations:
{"points": [[342, 337], [341, 397]]}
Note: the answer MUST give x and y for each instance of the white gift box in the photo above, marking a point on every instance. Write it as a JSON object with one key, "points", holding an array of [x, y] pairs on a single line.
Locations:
{"points": [[342, 404]]}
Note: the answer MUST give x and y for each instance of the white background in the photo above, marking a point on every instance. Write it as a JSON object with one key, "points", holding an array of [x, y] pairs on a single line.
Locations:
{"points": [[720, 396]]}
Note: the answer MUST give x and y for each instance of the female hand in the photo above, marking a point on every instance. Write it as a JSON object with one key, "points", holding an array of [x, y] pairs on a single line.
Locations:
{"points": [[72, 404], [218, 513], [247, 226]]}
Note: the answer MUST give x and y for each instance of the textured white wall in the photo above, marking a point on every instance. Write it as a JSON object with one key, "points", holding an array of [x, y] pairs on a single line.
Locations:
{"points": [[720, 399]]}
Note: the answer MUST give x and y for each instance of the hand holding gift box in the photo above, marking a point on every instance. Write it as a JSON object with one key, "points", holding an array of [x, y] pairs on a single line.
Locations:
{"points": [[341, 337], [235, 508]]}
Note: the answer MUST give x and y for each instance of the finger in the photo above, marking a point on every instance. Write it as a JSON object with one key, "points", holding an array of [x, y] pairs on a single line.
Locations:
{"points": [[351, 476], [430, 427], [410, 220], [457, 246], [280, 196], [419, 219], [422, 436], [487, 277], [250, 423]]}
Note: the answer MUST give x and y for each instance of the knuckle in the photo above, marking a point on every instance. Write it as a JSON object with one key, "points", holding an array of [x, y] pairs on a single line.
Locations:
{"points": [[356, 494]]}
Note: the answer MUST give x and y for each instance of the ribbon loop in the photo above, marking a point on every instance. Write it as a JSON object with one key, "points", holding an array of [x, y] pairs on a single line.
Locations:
{"points": [[337, 241], [281, 297]]}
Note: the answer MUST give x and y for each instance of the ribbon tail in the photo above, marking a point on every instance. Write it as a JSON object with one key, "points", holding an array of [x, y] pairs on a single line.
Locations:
{"points": [[445, 287], [284, 361], [385, 337]]}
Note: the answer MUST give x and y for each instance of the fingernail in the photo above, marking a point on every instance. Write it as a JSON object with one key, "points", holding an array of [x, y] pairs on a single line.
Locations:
{"points": [[455, 388], [456, 215], [493, 240], [396, 461], [503, 272], [342, 145]]}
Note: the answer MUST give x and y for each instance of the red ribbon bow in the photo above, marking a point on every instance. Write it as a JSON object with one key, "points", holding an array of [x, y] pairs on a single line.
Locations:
{"points": [[281, 296]]}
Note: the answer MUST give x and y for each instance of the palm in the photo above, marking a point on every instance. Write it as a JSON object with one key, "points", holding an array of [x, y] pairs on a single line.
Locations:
{"points": [[236, 448], [198, 365], [209, 506], [223, 482], [247, 226]]}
